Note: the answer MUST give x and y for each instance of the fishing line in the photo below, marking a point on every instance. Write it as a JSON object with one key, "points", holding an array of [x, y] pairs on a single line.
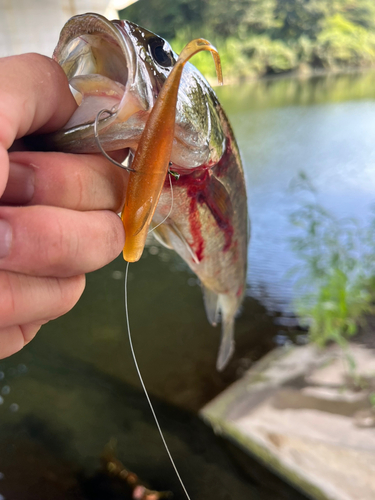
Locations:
{"points": [[170, 210], [144, 387], [126, 300], [135, 358]]}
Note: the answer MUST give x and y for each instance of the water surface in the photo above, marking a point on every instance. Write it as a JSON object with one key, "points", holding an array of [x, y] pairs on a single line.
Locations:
{"points": [[324, 127]]}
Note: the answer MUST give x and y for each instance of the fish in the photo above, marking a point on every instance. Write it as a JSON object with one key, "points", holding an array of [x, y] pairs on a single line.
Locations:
{"points": [[121, 67]]}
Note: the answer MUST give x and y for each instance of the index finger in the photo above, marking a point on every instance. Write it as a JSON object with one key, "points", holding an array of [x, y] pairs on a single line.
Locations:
{"points": [[34, 95]]}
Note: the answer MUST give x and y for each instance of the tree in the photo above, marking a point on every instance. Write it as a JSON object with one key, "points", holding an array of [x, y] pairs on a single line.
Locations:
{"points": [[300, 17], [166, 17]]}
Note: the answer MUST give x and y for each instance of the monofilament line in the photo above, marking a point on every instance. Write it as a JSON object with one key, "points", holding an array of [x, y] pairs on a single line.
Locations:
{"points": [[170, 210], [143, 384]]}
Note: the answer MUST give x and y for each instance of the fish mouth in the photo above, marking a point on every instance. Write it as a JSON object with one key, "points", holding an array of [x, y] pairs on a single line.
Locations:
{"points": [[100, 62], [110, 65]]}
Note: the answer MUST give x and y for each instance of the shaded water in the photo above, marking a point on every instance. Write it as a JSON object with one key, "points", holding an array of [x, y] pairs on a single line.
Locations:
{"points": [[74, 387]]}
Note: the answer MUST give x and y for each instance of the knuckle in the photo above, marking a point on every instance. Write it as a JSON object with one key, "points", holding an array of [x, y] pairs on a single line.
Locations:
{"points": [[42, 65], [62, 250], [80, 190]]}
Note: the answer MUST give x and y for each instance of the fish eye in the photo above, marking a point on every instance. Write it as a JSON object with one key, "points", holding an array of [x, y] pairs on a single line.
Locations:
{"points": [[161, 52]]}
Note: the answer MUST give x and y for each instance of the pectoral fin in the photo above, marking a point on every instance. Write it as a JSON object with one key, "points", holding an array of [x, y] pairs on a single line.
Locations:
{"points": [[161, 234], [170, 236], [219, 200]]}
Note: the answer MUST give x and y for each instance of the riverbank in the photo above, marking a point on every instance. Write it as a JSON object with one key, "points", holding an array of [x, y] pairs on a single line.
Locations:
{"points": [[303, 73]]}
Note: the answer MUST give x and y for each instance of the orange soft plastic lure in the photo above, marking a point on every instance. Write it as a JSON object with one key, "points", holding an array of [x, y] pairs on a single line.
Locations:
{"points": [[152, 157]]}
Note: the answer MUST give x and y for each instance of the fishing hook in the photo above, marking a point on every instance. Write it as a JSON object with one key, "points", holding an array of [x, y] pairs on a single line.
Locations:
{"points": [[96, 134], [97, 140]]}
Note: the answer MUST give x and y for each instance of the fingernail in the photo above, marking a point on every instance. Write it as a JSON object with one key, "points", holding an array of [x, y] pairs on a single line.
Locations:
{"points": [[20, 187], [5, 238]]}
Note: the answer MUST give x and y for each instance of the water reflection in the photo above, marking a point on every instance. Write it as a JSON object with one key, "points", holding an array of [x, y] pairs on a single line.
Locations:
{"points": [[283, 92], [71, 410]]}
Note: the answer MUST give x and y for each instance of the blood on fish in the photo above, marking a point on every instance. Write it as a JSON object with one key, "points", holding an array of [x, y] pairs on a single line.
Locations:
{"points": [[196, 228], [227, 161], [198, 188]]}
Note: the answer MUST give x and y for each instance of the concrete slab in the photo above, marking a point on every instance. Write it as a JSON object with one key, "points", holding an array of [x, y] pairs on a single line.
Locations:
{"points": [[296, 411]]}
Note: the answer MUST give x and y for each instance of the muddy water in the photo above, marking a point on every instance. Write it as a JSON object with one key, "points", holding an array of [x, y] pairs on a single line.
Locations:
{"points": [[74, 388]]}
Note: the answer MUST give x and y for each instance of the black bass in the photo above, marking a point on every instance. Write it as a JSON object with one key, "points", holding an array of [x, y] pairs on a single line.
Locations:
{"points": [[121, 67]]}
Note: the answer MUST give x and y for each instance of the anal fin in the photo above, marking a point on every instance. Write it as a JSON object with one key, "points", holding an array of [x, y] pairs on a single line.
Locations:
{"points": [[228, 305], [211, 304], [226, 345]]}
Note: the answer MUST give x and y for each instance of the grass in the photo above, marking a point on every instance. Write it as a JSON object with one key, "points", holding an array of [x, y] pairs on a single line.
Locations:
{"points": [[336, 285]]}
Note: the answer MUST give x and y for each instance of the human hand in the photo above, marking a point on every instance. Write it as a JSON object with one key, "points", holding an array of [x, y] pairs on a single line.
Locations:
{"points": [[57, 211]]}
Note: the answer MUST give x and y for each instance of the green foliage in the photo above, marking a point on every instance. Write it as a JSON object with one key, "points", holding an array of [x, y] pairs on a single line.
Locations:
{"points": [[270, 56], [358, 12], [240, 18], [343, 42], [168, 17], [338, 270], [337, 308], [301, 17], [257, 37]]}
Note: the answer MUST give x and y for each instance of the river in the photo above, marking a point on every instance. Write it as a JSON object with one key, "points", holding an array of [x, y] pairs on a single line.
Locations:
{"points": [[324, 127], [74, 388]]}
